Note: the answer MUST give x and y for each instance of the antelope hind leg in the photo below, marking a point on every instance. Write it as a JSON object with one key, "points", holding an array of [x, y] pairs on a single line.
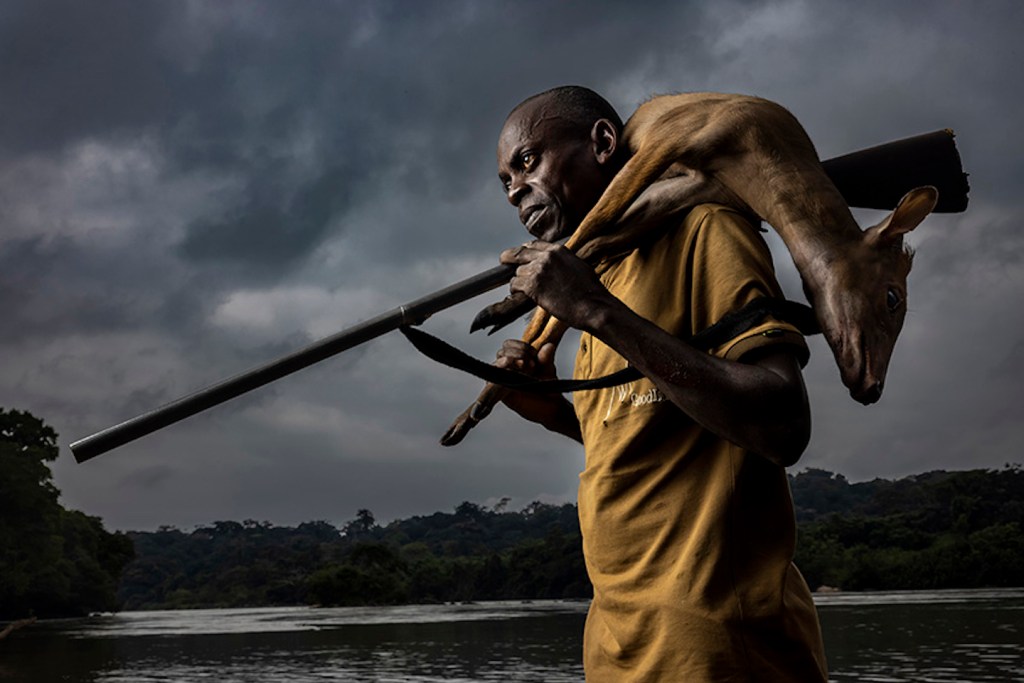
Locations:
{"points": [[492, 394]]}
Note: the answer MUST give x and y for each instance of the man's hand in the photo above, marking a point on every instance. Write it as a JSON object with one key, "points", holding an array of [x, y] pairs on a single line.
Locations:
{"points": [[550, 410], [515, 354], [559, 282]]}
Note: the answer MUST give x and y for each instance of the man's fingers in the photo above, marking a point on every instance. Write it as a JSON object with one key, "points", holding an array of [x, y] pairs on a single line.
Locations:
{"points": [[514, 255], [516, 354], [515, 347], [525, 253], [509, 363], [519, 284]]}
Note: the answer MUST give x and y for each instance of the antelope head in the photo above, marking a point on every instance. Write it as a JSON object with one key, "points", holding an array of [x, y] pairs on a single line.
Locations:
{"points": [[861, 300]]}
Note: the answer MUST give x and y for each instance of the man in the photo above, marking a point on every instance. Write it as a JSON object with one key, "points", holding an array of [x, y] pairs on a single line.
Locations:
{"points": [[688, 528]]}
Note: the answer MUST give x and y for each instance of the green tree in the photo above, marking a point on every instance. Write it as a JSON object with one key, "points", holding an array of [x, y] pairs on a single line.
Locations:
{"points": [[362, 526], [53, 562], [373, 573]]}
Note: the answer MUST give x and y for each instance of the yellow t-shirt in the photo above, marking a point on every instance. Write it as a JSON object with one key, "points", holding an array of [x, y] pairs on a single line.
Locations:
{"points": [[688, 538]]}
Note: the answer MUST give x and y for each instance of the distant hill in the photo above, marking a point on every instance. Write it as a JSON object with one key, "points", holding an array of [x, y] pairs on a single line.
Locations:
{"points": [[933, 530]]}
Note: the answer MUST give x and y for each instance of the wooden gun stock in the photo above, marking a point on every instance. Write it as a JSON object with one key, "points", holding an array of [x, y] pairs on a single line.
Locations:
{"points": [[876, 178]]}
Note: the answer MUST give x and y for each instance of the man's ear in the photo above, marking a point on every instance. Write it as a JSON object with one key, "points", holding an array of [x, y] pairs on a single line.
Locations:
{"points": [[605, 140]]}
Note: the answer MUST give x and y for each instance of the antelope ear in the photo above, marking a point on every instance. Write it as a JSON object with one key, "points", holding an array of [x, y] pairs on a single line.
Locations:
{"points": [[913, 208]]}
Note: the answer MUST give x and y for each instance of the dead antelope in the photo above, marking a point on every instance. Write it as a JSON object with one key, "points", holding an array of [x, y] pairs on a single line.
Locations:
{"points": [[753, 155]]}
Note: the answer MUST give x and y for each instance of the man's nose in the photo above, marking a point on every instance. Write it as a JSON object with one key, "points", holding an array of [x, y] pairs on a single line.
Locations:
{"points": [[516, 191]]}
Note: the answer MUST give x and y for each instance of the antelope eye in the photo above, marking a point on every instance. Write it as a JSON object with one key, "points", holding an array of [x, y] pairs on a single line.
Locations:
{"points": [[893, 299]]}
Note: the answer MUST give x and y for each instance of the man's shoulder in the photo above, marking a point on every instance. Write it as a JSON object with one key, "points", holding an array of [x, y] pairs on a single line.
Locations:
{"points": [[709, 226], [718, 213], [723, 238], [709, 231]]}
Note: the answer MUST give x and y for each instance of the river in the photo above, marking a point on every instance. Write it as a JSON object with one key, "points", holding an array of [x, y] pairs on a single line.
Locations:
{"points": [[882, 637]]}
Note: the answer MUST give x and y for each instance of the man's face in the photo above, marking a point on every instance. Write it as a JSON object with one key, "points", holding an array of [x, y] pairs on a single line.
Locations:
{"points": [[549, 172]]}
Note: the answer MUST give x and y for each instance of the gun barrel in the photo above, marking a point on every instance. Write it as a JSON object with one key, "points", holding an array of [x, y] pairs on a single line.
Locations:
{"points": [[412, 313]]}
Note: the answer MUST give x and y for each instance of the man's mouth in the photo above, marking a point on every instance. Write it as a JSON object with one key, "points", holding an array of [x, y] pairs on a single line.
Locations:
{"points": [[531, 216]]}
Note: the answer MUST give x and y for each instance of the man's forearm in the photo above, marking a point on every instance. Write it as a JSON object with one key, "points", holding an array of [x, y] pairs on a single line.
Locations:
{"points": [[554, 413], [759, 405]]}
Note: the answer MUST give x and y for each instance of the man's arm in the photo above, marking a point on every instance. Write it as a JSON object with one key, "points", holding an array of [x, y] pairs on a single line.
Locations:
{"points": [[552, 411], [759, 404]]}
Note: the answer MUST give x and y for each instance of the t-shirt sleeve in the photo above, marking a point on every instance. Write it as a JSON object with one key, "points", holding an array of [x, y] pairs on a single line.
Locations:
{"points": [[732, 266]]}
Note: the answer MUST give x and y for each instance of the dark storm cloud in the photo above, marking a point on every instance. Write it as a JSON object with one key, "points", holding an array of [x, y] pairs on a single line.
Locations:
{"points": [[59, 287], [221, 97], [273, 226], [228, 89], [71, 69], [188, 189]]}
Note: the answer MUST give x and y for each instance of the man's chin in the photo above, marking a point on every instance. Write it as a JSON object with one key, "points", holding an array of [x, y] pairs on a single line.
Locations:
{"points": [[550, 232]]}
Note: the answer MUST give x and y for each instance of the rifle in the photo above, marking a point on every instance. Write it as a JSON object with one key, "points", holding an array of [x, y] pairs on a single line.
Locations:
{"points": [[872, 178]]}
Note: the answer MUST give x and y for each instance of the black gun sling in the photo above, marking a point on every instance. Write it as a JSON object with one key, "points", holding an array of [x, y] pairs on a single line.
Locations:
{"points": [[729, 327]]}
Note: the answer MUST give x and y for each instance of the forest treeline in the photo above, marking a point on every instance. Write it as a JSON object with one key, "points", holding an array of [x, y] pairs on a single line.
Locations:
{"points": [[929, 531], [472, 553]]}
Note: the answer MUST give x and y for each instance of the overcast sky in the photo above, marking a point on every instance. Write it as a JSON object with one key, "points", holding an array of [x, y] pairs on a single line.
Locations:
{"points": [[188, 189]]}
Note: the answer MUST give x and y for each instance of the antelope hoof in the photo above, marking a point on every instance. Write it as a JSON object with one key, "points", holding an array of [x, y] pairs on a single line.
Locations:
{"points": [[460, 427], [497, 316]]}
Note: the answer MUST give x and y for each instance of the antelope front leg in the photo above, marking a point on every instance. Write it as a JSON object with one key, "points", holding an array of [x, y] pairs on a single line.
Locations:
{"points": [[474, 414], [493, 394]]}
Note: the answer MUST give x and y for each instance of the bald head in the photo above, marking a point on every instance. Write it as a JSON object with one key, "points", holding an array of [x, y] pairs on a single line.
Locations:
{"points": [[556, 154], [578, 108]]}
